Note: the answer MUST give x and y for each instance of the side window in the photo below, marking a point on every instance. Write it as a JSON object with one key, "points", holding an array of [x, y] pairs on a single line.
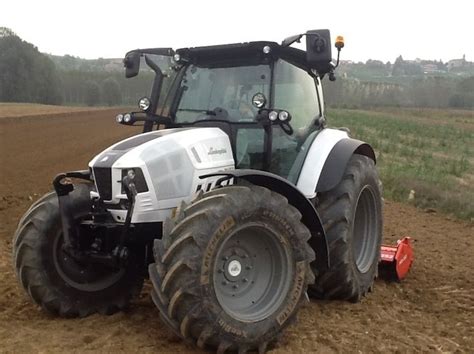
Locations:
{"points": [[295, 91]]}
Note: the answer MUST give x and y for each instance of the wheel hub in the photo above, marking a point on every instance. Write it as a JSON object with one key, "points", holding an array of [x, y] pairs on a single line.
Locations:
{"points": [[251, 273], [234, 268]]}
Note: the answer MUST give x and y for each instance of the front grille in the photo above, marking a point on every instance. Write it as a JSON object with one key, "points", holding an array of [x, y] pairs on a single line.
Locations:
{"points": [[103, 181]]}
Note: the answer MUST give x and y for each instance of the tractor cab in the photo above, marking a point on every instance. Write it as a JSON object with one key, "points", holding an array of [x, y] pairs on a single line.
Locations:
{"points": [[266, 97]]}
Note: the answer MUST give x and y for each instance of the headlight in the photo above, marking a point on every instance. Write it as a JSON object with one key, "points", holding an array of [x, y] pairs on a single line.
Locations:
{"points": [[131, 174], [127, 118], [119, 118], [283, 115], [144, 103], [135, 174], [259, 100], [273, 116]]}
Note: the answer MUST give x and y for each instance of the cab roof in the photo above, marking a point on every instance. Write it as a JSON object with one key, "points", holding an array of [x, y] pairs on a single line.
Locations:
{"points": [[242, 54]]}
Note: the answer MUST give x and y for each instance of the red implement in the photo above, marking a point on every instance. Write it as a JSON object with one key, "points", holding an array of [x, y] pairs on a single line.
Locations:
{"points": [[396, 261]]}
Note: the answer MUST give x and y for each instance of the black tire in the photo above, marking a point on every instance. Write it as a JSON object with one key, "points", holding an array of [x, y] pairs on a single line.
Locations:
{"points": [[57, 283], [28, 213], [194, 280], [352, 218]]}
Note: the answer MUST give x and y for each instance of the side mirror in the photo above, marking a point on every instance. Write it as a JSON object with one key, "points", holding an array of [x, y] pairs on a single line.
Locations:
{"points": [[318, 50], [132, 64]]}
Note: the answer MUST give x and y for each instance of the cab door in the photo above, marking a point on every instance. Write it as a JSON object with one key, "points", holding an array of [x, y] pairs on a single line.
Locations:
{"points": [[295, 91]]}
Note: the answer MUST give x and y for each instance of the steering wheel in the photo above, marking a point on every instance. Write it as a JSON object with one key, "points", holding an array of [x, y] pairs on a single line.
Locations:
{"points": [[218, 113]]}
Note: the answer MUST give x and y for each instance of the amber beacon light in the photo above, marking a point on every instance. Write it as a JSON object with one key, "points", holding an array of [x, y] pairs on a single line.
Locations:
{"points": [[339, 42]]}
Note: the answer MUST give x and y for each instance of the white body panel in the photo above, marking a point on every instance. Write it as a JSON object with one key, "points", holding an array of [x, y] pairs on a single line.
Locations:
{"points": [[315, 159], [172, 162], [171, 165]]}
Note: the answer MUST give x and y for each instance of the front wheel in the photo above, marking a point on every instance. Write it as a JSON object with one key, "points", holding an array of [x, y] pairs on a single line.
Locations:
{"points": [[57, 282], [352, 218], [232, 268]]}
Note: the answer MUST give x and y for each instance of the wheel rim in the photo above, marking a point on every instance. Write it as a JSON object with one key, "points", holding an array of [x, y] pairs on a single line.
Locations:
{"points": [[89, 278], [252, 273], [365, 230]]}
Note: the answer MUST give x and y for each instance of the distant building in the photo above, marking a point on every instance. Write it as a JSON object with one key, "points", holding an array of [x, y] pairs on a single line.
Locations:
{"points": [[430, 68], [457, 63]]}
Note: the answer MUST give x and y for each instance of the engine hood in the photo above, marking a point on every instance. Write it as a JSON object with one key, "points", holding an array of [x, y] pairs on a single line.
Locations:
{"points": [[113, 153], [212, 143], [171, 162]]}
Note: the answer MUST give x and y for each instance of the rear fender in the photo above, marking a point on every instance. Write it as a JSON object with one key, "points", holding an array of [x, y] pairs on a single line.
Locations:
{"points": [[326, 161], [309, 214], [335, 164]]}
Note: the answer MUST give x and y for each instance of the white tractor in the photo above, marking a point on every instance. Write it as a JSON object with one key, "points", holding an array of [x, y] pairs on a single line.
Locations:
{"points": [[236, 201]]}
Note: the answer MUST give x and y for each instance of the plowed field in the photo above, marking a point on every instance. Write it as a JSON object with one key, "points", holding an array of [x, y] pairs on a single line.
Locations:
{"points": [[432, 310]]}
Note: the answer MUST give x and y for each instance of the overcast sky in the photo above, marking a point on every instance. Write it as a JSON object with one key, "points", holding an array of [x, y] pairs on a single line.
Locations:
{"points": [[375, 29]]}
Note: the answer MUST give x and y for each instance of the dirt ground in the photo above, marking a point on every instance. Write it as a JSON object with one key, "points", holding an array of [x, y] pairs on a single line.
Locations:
{"points": [[10, 110], [432, 310]]}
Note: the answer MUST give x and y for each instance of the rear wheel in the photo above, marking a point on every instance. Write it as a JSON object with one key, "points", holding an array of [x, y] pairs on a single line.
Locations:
{"points": [[232, 268], [57, 282], [352, 218]]}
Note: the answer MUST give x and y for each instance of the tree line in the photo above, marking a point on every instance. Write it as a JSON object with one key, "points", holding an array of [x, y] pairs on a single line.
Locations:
{"points": [[94, 88], [27, 75], [430, 92]]}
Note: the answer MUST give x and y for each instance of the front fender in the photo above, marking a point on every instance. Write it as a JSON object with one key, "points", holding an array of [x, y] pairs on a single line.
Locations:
{"points": [[309, 214]]}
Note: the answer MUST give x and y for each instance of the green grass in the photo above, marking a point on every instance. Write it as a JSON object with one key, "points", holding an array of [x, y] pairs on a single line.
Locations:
{"points": [[428, 151]]}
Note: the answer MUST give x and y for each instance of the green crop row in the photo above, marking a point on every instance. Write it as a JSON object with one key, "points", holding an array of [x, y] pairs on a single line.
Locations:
{"points": [[430, 152]]}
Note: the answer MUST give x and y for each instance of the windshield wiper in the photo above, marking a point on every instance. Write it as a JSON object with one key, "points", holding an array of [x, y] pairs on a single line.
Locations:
{"points": [[205, 111]]}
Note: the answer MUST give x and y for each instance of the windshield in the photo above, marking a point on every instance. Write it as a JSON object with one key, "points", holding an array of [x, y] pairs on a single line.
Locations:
{"points": [[227, 91], [208, 94]]}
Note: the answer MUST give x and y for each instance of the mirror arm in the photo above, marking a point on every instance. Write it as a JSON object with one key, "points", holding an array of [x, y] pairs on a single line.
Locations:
{"points": [[155, 92], [290, 40], [151, 64]]}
